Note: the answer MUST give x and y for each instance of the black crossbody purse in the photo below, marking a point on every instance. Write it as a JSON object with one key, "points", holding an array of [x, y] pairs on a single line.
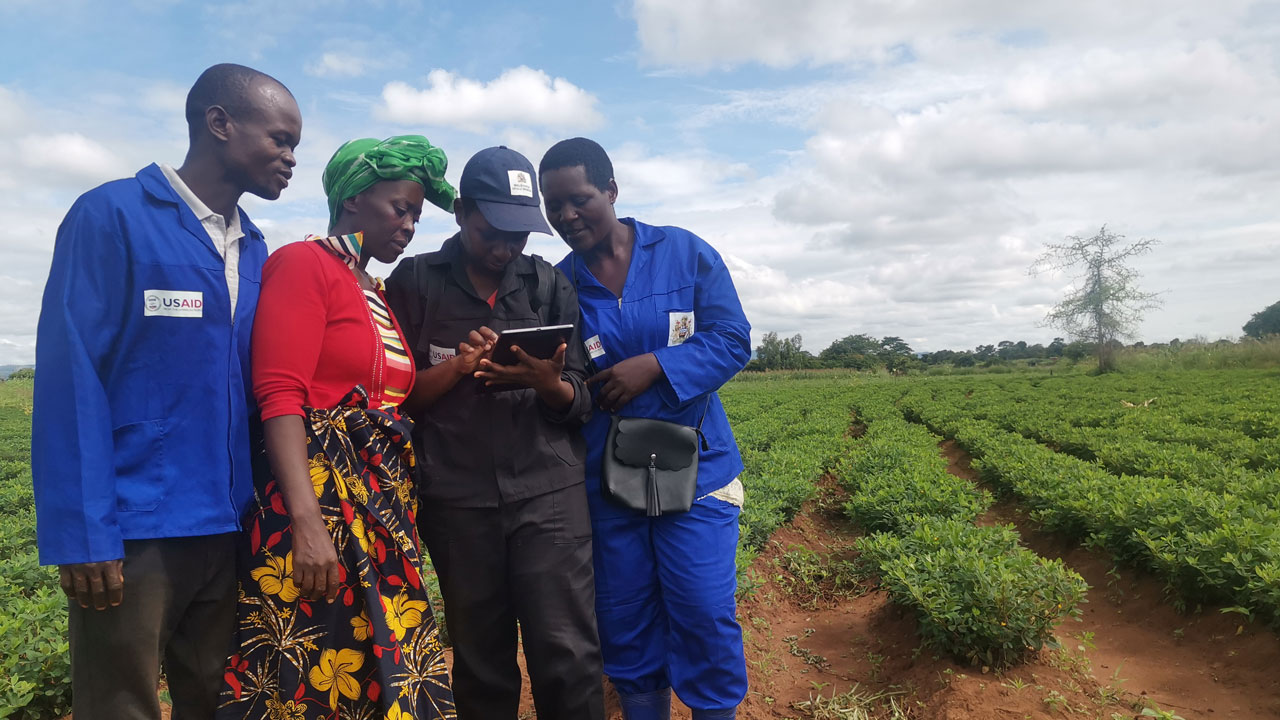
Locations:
{"points": [[652, 465]]}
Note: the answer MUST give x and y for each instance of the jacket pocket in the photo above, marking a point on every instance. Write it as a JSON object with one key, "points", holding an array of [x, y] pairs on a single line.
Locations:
{"points": [[562, 447], [139, 465], [674, 316]]}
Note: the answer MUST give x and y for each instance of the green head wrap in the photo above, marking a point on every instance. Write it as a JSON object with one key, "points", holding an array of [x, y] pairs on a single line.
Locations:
{"points": [[360, 164]]}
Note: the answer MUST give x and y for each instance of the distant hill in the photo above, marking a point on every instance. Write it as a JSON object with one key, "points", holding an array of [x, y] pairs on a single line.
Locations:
{"points": [[7, 370]]}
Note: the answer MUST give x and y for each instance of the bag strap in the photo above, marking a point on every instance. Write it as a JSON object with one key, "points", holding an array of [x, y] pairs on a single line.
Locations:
{"points": [[701, 436], [544, 285], [426, 285]]}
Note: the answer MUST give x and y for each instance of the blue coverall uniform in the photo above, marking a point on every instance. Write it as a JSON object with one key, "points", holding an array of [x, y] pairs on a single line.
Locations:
{"points": [[665, 585], [142, 398]]}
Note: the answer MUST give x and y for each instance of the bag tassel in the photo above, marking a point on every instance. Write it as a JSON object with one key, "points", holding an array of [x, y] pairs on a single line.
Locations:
{"points": [[653, 507]]}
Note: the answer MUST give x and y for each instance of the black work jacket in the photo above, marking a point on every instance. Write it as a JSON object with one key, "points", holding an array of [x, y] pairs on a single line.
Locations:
{"points": [[480, 449]]}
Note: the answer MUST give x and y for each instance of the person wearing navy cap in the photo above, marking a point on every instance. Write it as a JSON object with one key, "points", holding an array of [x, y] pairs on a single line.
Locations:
{"points": [[503, 507]]}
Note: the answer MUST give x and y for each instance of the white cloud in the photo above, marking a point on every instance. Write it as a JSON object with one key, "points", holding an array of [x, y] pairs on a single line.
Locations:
{"points": [[70, 154], [520, 97], [338, 65], [722, 33], [687, 178]]}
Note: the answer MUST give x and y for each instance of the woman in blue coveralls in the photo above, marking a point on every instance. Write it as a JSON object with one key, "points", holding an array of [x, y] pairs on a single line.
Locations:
{"points": [[664, 329]]}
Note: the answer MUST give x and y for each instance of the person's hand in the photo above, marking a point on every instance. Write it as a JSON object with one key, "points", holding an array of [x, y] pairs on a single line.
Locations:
{"points": [[100, 584], [622, 382], [529, 371], [315, 562], [478, 346]]}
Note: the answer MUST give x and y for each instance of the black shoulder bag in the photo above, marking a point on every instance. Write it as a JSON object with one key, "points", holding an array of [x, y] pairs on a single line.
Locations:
{"points": [[652, 465]]}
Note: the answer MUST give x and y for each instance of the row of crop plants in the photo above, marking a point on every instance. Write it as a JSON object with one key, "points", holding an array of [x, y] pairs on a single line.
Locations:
{"points": [[1129, 441], [1234, 415], [34, 661], [976, 592], [1208, 545], [789, 435]]}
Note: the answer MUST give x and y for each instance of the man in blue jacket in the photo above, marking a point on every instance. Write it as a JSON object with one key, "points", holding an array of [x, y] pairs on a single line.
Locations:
{"points": [[140, 433]]}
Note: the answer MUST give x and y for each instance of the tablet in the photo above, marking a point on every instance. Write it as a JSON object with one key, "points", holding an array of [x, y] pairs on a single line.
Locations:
{"points": [[540, 342]]}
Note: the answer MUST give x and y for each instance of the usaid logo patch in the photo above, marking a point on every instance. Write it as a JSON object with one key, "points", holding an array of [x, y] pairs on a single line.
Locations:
{"points": [[172, 303], [440, 354], [521, 183], [594, 348]]}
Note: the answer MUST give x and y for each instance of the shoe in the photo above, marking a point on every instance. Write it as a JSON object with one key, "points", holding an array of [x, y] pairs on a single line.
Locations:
{"points": [[655, 705]]}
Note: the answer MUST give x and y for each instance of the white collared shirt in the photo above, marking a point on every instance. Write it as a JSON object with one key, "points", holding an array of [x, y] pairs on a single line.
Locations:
{"points": [[225, 237]]}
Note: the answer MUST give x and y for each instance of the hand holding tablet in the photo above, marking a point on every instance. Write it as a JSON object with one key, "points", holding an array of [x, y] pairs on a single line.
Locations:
{"points": [[504, 370]]}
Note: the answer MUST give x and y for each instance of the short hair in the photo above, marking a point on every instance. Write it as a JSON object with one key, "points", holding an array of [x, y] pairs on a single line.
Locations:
{"points": [[468, 206], [580, 151], [226, 85]]}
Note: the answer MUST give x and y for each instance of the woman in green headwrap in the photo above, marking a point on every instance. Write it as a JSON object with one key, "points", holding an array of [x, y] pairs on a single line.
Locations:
{"points": [[334, 618]]}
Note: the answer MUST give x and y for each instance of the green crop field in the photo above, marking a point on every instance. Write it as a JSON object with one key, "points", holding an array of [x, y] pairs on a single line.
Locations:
{"points": [[1176, 473], [34, 661]]}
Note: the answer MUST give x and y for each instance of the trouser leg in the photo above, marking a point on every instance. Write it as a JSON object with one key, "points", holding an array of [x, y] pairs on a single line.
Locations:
{"points": [[549, 541], [654, 705], [629, 609], [115, 653], [196, 654], [696, 566], [468, 552]]}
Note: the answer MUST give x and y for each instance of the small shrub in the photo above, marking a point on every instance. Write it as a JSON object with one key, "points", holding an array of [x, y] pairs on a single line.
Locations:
{"points": [[977, 593]]}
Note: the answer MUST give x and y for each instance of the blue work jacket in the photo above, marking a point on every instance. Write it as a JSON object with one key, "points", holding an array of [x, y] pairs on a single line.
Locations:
{"points": [[678, 303], [140, 426]]}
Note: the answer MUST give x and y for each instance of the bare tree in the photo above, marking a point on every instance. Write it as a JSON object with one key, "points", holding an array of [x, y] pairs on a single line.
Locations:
{"points": [[1105, 305]]}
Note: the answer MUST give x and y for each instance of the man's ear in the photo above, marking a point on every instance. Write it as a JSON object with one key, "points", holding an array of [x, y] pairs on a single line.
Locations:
{"points": [[218, 122], [459, 213], [612, 191]]}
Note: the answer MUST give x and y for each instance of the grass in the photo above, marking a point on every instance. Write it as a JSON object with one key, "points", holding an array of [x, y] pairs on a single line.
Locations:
{"points": [[1248, 353], [856, 704]]}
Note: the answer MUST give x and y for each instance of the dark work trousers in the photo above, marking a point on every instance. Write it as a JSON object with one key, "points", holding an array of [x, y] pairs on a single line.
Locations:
{"points": [[527, 562], [179, 608]]}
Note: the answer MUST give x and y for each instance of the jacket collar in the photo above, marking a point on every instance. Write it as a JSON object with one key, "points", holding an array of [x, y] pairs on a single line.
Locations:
{"points": [[646, 235], [155, 184]]}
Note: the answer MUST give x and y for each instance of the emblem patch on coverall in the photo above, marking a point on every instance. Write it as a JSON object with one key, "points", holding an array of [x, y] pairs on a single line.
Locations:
{"points": [[680, 326]]}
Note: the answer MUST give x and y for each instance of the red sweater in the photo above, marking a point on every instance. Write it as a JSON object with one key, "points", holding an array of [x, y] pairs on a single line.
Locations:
{"points": [[314, 338]]}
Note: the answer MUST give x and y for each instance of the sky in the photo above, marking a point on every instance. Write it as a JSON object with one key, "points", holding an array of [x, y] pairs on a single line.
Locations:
{"points": [[888, 168]]}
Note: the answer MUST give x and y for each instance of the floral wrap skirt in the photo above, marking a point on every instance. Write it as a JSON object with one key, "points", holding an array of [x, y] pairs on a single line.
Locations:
{"points": [[374, 653]]}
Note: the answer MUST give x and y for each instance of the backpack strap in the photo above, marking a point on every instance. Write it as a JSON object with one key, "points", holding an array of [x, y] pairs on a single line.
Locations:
{"points": [[428, 289], [545, 285]]}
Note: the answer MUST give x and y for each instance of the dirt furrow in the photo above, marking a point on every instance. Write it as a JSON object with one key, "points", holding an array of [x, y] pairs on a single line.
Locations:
{"points": [[1203, 664]]}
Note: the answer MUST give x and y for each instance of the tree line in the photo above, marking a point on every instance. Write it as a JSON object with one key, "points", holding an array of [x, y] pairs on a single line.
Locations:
{"points": [[892, 353]]}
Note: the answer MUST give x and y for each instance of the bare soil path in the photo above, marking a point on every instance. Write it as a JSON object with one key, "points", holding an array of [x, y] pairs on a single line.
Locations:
{"points": [[1203, 664], [810, 640]]}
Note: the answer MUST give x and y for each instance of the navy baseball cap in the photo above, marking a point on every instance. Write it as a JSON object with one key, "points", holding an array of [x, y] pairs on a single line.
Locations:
{"points": [[504, 187]]}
